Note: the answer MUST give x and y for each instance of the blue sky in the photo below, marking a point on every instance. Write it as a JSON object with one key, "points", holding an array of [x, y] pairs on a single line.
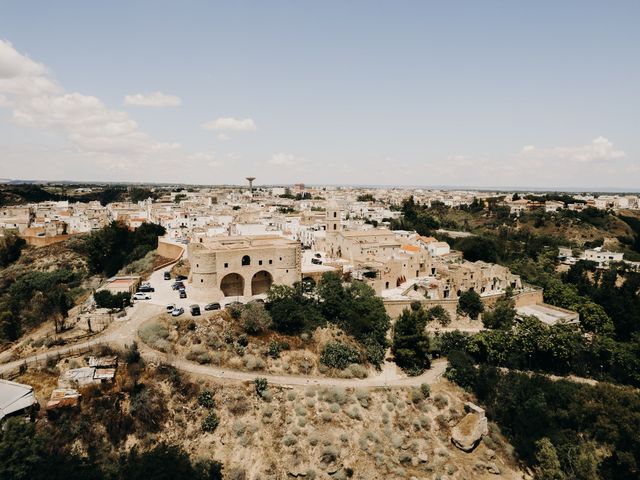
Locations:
{"points": [[471, 93]]}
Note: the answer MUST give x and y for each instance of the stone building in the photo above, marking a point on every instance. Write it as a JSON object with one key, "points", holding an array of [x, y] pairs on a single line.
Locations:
{"points": [[243, 266]]}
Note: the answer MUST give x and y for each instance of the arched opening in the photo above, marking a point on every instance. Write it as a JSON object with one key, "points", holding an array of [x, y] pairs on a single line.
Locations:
{"points": [[261, 282], [246, 260], [308, 283], [400, 280], [232, 285]]}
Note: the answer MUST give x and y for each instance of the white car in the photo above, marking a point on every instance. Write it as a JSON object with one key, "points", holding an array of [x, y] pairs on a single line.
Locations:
{"points": [[141, 296], [176, 312]]}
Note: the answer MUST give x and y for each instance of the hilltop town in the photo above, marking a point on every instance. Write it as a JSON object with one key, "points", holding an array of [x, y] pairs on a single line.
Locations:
{"points": [[293, 317]]}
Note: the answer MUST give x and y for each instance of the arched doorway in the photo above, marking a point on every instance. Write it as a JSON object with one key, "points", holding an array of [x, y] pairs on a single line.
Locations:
{"points": [[232, 285], [308, 283], [261, 282]]}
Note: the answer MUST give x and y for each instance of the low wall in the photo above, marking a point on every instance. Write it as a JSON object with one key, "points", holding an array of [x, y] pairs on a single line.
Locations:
{"points": [[529, 297], [36, 241], [169, 250]]}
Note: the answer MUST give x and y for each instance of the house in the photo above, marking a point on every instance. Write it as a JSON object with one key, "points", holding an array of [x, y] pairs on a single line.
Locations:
{"points": [[16, 399]]}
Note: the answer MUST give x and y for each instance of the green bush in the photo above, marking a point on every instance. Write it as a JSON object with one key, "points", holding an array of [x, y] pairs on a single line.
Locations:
{"points": [[261, 385], [470, 303], [339, 355], [113, 301], [210, 422], [205, 399]]}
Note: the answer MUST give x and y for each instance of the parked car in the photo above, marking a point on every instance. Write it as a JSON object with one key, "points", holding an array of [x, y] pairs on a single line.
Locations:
{"points": [[141, 296], [179, 278], [146, 288], [316, 261], [176, 312], [212, 306], [177, 285], [183, 294], [195, 310], [234, 304], [167, 275], [170, 307]]}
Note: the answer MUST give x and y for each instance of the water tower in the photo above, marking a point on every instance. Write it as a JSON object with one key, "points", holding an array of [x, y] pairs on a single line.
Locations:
{"points": [[251, 179]]}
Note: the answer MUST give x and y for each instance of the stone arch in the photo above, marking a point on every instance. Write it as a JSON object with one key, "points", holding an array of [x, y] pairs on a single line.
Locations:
{"points": [[232, 285], [246, 260], [309, 283], [261, 282]]}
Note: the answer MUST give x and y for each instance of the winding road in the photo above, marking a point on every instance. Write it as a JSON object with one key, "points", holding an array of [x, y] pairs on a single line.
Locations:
{"points": [[124, 332]]}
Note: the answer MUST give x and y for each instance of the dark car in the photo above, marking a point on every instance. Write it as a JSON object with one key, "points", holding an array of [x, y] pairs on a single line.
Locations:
{"points": [[195, 310], [179, 278], [146, 288], [177, 285], [316, 261], [183, 294], [167, 275], [212, 306]]}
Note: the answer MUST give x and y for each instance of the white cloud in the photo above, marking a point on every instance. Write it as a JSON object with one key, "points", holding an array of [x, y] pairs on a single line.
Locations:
{"points": [[93, 129], [155, 99], [599, 150], [283, 159], [230, 124]]}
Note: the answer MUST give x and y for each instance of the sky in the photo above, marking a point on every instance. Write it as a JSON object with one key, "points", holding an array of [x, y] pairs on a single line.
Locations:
{"points": [[460, 93]]}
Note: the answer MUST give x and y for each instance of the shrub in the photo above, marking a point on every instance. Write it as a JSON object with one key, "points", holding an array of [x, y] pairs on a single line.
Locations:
{"points": [[205, 399], [210, 422], [235, 310], [199, 354], [275, 347], [113, 301], [132, 354], [289, 440], [354, 413], [255, 319], [261, 385], [426, 390], [254, 363], [155, 334], [339, 355]]}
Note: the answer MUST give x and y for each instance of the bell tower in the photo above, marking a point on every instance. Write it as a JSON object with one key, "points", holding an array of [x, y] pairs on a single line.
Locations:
{"points": [[333, 218]]}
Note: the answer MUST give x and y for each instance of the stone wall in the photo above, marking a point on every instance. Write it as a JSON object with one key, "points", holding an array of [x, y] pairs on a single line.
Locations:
{"points": [[531, 296]]}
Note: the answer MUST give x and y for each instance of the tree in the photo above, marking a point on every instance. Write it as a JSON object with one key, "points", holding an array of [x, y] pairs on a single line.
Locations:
{"points": [[291, 310], [470, 303], [255, 319], [439, 314], [113, 301], [11, 246], [548, 467], [410, 341], [502, 315], [339, 355], [476, 248], [593, 318]]}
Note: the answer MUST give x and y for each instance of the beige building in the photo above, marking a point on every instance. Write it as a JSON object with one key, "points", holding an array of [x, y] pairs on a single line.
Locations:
{"points": [[243, 266]]}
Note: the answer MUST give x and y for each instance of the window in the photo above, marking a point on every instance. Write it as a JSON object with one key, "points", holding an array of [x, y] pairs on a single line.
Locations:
{"points": [[246, 260], [226, 265], [259, 262], [201, 280], [197, 265], [335, 214], [335, 227], [270, 262], [280, 258]]}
